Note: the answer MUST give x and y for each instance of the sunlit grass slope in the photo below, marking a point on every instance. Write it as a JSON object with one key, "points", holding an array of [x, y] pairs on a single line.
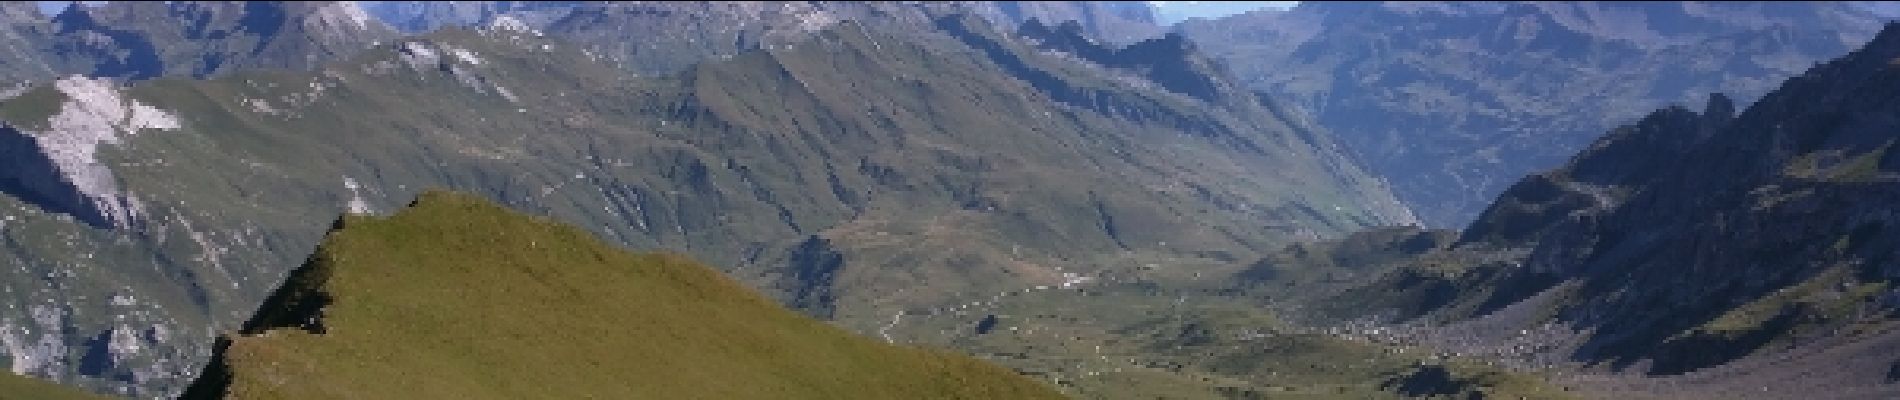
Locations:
{"points": [[457, 298], [15, 387]]}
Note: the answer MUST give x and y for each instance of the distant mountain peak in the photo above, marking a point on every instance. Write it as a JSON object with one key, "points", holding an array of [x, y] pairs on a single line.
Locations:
{"points": [[1719, 105]]}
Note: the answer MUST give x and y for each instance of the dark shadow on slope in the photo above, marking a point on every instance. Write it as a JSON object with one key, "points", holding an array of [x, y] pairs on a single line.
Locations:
{"points": [[27, 174]]}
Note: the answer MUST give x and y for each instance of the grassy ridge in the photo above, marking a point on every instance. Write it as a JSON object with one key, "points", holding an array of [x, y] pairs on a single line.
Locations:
{"points": [[458, 298]]}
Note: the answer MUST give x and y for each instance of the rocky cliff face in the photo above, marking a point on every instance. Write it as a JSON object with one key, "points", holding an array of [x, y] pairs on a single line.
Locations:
{"points": [[1453, 101], [1688, 242]]}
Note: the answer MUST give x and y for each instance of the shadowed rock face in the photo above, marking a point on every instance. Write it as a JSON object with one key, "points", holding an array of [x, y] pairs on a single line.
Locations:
{"points": [[1692, 241], [814, 266], [1452, 102], [33, 177]]}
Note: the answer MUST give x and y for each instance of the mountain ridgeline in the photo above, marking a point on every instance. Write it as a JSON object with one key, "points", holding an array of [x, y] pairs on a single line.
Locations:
{"points": [[675, 35], [837, 173], [482, 302]]}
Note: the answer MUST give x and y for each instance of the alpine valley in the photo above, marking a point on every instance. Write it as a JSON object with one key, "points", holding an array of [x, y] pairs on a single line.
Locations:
{"points": [[956, 200]]}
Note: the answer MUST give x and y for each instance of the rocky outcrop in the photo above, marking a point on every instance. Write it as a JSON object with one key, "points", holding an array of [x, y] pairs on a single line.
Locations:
{"points": [[1169, 61], [814, 268]]}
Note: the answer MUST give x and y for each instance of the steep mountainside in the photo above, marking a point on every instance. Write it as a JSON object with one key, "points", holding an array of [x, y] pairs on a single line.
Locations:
{"points": [[1746, 255], [482, 302], [836, 173], [1452, 101]]}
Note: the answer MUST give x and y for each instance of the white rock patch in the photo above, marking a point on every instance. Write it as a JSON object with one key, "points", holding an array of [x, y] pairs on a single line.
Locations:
{"points": [[510, 24], [464, 55], [123, 344], [420, 56], [506, 94], [41, 354], [97, 114], [357, 205], [354, 12]]}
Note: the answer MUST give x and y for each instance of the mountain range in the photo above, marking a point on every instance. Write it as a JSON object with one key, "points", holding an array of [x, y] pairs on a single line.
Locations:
{"points": [[143, 40], [1724, 252], [1451, 102], [1088, 203], [834, 173]]}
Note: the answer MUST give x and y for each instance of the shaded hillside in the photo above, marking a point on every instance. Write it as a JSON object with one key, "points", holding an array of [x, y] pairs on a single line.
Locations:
{"points": [[1729, 249], [836, 175], [1451, 102], [454, 297]]}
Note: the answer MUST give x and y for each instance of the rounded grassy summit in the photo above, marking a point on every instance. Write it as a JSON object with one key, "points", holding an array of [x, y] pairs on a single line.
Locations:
{"points": [[455, 297]]}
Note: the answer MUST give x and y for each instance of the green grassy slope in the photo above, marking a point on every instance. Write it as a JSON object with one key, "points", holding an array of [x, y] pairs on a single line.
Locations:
{"points": [[459, 298], [15, 387]]}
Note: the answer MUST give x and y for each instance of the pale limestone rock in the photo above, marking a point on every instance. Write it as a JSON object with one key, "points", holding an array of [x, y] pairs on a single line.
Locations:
{"points": [[420, 56], [96, 114]]}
